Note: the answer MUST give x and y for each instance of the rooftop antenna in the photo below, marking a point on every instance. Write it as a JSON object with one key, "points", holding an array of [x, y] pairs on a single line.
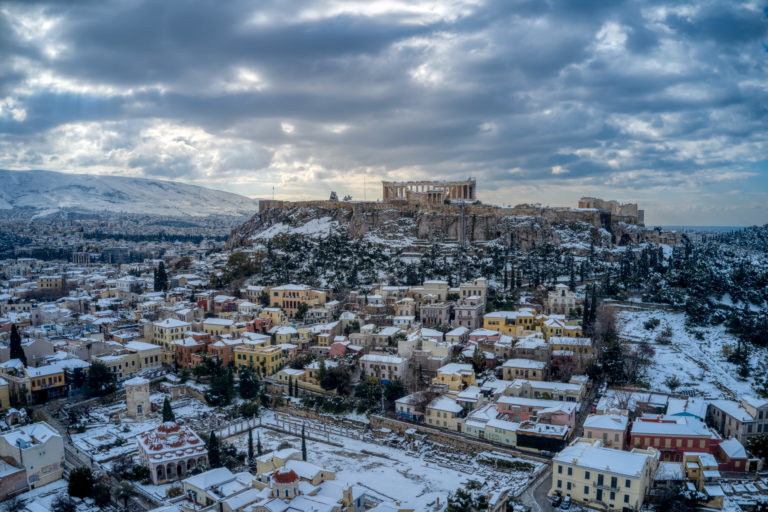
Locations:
{"points": [[364, 186], [273, 192]]}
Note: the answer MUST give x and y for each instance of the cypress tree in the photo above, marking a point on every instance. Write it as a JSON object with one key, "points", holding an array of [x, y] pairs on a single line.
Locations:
{"points": [[167, 411], [214, 451], [303, 445], [259, 451], [290, 386], [17, 352], [250, 444]]}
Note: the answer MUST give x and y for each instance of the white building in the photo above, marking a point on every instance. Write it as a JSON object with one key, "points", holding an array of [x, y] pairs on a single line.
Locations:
{"points": [[382, 366], [39, 449]]}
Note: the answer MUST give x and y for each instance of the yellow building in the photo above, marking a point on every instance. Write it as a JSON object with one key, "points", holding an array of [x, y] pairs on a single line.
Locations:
{"points": [[165, 332], [456, 376], [5, 395], [602, 478], [445, 413], [276, 315], [511, 323], [54, 282], [288, 297], [577, 346], [263, 358], [46, 382], [219, 326], [405, 307]]}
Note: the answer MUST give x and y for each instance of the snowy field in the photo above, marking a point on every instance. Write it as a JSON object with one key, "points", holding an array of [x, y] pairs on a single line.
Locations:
{"points": [[699, 364], [417, 476]]}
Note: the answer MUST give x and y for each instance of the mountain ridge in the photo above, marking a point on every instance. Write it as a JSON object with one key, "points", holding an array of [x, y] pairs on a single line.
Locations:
{"points": [[52, 191]]}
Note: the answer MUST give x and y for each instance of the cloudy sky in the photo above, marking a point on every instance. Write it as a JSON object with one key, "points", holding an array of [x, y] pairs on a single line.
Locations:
{"points": [[663, 103]]}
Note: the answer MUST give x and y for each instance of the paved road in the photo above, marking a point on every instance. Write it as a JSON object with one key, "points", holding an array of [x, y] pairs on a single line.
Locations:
{"points": [[535, 496]]}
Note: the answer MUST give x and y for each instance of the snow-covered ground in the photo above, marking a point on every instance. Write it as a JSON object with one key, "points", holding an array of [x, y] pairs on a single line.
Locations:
{"points": [[417, 475], [51, 191], [699, 364]]}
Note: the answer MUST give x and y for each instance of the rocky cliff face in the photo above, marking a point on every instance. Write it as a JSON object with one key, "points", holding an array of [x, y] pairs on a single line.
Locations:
{"points": [[410, 227]]}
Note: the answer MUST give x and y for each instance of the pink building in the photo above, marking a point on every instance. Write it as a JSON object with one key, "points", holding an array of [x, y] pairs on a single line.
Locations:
{"points": [[550, 412]]}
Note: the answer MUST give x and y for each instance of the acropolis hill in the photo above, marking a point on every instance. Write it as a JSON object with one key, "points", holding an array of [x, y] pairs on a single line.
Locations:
{"points": [[449, 210]]}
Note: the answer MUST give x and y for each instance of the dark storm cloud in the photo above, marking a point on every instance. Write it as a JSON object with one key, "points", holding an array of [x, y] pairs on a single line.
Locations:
{"points": [[505, 90]]}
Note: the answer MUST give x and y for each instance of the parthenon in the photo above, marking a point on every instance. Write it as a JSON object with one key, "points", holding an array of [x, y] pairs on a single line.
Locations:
{"points": [[433, 192]]}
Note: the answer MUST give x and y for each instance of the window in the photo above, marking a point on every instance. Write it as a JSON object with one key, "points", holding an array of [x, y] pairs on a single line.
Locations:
{"points": [[559, 469], [614, 483], [586, 489], [559, 484], [586, 475], [570, 471], [568, 486], [613, 495], [628, 483]]}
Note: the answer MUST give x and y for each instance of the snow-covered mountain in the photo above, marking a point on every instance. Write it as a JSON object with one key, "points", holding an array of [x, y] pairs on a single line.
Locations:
{"points": [[49, 192]]}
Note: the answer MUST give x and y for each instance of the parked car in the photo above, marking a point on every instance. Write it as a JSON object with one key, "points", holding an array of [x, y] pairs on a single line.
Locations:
{"points": [[566, 504], [556, 500]]}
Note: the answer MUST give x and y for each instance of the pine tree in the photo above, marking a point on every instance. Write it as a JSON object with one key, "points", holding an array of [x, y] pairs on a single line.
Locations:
{"points": [[167, 411], [303, 445], [160, 278], [586, 326], [214, 451], [250, 444], [17, 351]]}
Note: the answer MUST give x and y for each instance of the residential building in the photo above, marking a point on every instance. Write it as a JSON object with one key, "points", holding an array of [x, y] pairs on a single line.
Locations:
{"points": [[551, 412], [672, 435], [288, 297], [603, 478], [165, 332], [259, 355], [455, 376], [610, 429], [561, 300], [382, 367], [436, 314], [445, 413], [468, 312], [560, 391], [524, 369], [39, 449]]}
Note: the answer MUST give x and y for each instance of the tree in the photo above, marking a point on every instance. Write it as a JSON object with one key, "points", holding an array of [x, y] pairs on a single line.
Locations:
{"points": [[63, 503], [124, 492], [290, 386], [301, 310], [17, 351], [758, 445], [250, 444], [214, 451], [80, 482], [672, 382], [478, 359], [100, 381], [761, 379], [259, 450], [101, 495], [303, 445], [161, 278], [168, 411], [613, 363], [13, 504], [249, 386], [394, 389]]}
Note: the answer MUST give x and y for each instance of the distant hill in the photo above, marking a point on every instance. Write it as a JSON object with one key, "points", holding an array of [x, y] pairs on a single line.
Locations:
{"points": [[49, 192]]}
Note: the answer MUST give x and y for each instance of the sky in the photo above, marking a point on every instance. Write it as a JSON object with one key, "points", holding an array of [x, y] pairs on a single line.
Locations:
{"points": [[663, 103]]}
